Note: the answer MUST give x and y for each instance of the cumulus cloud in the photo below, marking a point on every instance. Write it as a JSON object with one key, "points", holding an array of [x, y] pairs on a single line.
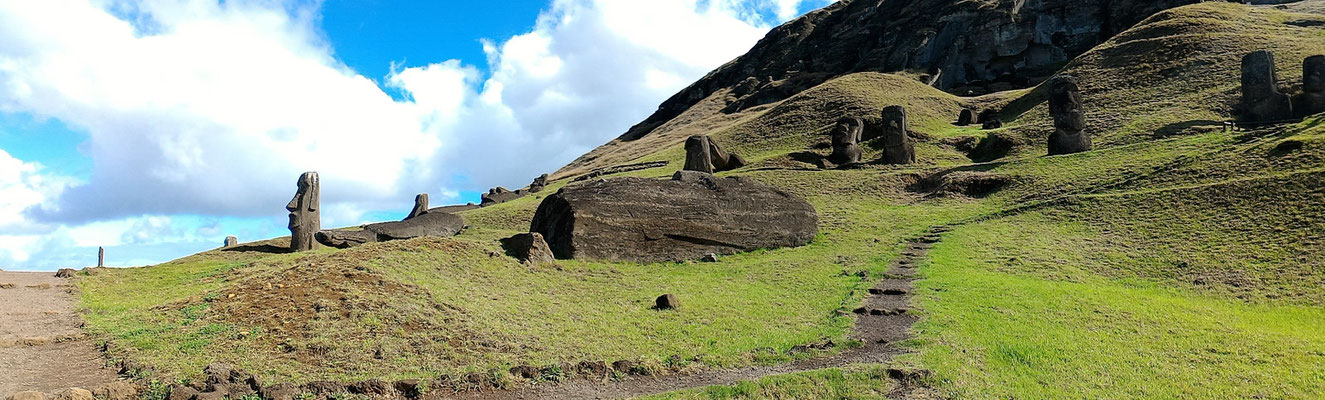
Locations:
{"points": [[200, 107]]}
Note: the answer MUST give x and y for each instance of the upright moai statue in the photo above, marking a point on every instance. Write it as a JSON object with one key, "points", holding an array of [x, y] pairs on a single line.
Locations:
{"points": [[538, 184], [305, 213], [1070, 134], [231, 241], [1261, 100], [898, 148], [101, 256], [697, 154], [420, 206], [1312, 98], [967, 117], [846, 139], [704, 155]]}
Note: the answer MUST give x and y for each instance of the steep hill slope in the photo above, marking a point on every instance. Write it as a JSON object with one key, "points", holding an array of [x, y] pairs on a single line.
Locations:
{"points": [[1177, 260]]}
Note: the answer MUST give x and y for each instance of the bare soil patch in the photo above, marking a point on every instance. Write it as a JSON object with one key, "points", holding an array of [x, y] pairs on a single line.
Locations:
{"points": [[42, 347]]}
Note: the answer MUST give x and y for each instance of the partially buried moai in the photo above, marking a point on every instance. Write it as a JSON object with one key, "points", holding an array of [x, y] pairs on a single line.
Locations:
{"points": [[420, 206], [846, 141], [1312, 98], [305, 214], [898, 148], [1070, 134], [1261, 100], [704, 155]]}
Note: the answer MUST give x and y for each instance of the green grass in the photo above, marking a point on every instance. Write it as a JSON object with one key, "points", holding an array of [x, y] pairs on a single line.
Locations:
{"points": [[1174, 261]]}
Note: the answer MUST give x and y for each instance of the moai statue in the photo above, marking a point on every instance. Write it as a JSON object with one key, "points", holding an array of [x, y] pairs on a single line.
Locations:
{"points": [[231, 241], [420, 206], [704, 155], [846, 139], [305, 213], [1261, 100], [989, 120], [539, 183], [1070, 134], [898, 148], [967, 117], [1312, 98], [698, 157], [101, 256]]}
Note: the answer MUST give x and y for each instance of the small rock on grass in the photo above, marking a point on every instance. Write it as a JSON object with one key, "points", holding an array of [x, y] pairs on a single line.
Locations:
{"points": [[709, 258], [65, 273], [666, 302]]}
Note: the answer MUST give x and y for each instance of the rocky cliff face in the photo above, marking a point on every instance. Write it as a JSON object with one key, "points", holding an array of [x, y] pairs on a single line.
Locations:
{"points": [[962, 46]]}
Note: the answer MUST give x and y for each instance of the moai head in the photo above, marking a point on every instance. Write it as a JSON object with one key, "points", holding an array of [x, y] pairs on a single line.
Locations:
{"points": [[305, 215], [698, 157], [894, 126], [1065, 104], [1258, 76], [420, 206], [847, 131], [1313, 74], [966, 117]]}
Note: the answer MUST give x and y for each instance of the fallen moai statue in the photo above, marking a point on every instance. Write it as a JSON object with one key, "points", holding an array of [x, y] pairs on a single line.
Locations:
{"points": [[428, 224], [500, 195], [692, 215]]}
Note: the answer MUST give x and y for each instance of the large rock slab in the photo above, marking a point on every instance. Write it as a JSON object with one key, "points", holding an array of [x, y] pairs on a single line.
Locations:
{"points": [[685, 218]]}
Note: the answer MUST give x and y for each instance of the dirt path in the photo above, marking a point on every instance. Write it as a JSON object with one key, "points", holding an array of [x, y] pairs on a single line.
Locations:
{"points": [[884, 320], [42, 347]]}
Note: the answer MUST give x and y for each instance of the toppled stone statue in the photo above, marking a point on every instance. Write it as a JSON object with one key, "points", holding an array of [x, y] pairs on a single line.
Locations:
{"points": [[898, 147], [539, 183], [1070, 134], [685, 218], [528, 248], [500, 195], [420, 206], [1261, 100], [704, 155], [434, 223], [846, 139], [305, 213], [231, 241], [1312, 99], [967, 117]]}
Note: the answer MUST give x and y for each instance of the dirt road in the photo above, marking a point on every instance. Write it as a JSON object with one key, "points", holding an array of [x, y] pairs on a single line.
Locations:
{"points": [[42, 347]]}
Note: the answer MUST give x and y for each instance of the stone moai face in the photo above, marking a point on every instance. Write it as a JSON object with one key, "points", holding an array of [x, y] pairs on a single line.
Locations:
{"points": [[898, 148], [1065, 104], [846, 136], [1258, 75], [305, 213], [420, 205], [1313, 74], [698, 157]]}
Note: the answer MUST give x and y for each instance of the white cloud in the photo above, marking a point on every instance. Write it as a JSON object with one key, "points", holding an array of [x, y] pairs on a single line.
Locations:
{"points": [[201, 107]]}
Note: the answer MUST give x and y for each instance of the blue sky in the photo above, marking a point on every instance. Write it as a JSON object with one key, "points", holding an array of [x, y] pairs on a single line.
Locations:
{"points": [[156, 129]]}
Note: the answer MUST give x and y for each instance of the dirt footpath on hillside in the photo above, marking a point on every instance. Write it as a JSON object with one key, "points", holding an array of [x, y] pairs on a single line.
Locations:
{"points": [[42, 347]]}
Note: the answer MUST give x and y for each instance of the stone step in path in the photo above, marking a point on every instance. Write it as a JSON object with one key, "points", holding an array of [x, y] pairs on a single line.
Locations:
{"points": [[884, 319]]}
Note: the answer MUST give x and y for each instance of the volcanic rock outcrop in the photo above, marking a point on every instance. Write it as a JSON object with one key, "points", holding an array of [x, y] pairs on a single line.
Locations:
{"points": [[305, 213], [846, 136], [1070, 134], [684, 218], [1261, 100], [898, 147]]}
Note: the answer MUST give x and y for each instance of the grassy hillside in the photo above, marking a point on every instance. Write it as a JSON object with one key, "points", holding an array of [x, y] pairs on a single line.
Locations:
{"points": [[1177, 260]]}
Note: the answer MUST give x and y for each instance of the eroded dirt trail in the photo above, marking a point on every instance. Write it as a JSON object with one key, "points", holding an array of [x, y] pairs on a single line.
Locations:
{"points": [[42, 347], [883, 320]]}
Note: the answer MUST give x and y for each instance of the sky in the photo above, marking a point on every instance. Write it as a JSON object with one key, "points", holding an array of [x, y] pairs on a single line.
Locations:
{"points": [[156, 128]]}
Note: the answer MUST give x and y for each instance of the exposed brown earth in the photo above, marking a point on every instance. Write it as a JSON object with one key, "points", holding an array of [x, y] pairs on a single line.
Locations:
{"points": [[42, 347]]}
